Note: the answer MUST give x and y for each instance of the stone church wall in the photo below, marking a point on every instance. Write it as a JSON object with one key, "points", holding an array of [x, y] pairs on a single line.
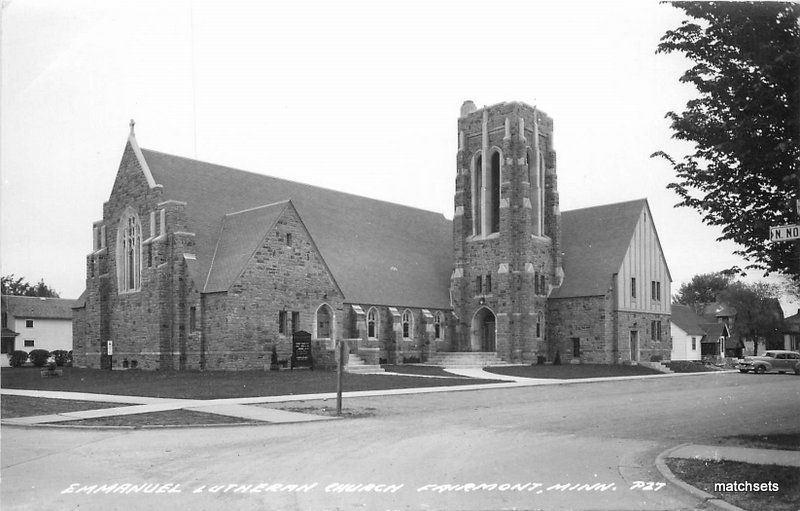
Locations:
{"points": [[241, 326], [641, 322], [604, 334], [584, 318], [138, 322]]}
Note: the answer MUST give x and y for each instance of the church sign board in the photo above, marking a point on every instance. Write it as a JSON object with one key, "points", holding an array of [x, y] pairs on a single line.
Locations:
{"points": [[301, 350], [784, 233]]}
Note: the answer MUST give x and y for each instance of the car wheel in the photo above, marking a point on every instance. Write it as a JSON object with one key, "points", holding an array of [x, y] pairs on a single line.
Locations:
{"points": [[760, 370], [797, 370]]}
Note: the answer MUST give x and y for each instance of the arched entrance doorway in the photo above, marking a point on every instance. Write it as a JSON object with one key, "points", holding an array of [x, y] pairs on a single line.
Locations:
{"points": [[483, 330]]}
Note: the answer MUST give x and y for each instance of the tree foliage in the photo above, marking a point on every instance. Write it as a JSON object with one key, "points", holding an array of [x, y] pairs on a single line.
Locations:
{"points": [[758, 312], [702, 290], [18, 286], [745, 124]]}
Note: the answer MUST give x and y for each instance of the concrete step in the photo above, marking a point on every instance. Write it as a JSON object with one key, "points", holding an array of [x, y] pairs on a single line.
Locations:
{"points": [[469, 358], [658, 366], [364, 369], [356, 364]]}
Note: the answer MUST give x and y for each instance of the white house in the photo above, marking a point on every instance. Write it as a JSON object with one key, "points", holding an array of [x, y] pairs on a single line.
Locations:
{"points": [[791, 332], [31, 323], [687, 333]]}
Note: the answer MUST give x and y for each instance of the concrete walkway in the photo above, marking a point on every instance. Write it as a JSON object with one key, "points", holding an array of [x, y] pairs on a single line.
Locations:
{"points": [[478, 372], [743, 454], [233, 407]]}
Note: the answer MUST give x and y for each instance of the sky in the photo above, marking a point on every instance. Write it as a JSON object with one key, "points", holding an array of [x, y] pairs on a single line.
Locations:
{"points": [[355, 96]]}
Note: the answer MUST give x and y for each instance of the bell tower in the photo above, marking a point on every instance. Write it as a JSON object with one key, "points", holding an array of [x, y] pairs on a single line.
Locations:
{"points": [[506, 230]]}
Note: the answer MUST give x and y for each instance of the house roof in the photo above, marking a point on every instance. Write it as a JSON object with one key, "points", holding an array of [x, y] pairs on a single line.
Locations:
{"points": [[34, 307], [718, 310], [240, 235], [792, 323], [594, 242], [685, 318], [717, 330], [80, 302], [378, 252]]}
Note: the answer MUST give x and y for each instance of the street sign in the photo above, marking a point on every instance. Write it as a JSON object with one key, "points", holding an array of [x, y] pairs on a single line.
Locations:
{"points": [[784, 233], [110, 347]]}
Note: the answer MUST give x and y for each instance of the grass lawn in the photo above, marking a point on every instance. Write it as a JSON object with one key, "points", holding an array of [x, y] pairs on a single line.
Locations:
{"points": [[571, 371], [783, 441], [23, 406], [703, 474], [416, 369], [166, 418], [212, 384]]}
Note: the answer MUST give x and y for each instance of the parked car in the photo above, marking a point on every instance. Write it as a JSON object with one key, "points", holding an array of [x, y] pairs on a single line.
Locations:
{"points": [[780, 361]]}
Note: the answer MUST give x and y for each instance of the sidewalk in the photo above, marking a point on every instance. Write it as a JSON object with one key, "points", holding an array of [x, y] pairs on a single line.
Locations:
{"points": [[744, 454], [234, 407], [722, 453]]}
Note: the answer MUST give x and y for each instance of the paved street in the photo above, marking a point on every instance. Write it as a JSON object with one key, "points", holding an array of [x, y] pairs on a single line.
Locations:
{"points": [[600, 435]]}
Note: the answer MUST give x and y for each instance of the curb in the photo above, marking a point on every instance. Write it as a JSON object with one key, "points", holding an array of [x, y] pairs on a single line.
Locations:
{"points": [[707, 498]]}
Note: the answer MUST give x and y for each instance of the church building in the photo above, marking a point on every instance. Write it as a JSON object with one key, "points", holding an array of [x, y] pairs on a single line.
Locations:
{"points": [[201, 266]]}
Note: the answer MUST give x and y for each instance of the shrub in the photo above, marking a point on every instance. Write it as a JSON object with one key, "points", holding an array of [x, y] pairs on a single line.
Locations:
{"points": [[63, 357], [557, 361], [18, 358], [688, 366], [38, 357], [656, 358]]}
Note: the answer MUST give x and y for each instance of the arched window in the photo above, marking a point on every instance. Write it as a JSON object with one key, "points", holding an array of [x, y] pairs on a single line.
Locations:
{"points": [[408, 324], [437, 325], [533, 180], [477, 185], [129, 252], [323, 321], [539, 325], [372, 323], [540, 173], [531, 175], [493, 209]]}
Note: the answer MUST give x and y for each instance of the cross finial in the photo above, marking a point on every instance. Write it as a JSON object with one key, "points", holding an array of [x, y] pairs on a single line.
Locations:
{"points": [[132, 123]]}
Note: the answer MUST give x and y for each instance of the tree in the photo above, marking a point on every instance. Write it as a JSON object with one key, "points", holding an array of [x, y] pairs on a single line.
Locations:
{"points": [[758, 312], [12, 285], [744, 172], [791, 288], [702, 290]]}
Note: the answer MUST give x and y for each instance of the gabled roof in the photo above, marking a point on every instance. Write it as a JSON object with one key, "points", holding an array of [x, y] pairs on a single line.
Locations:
{"points": [[714, 331], [685, 318], [7, 333], [38, 308], [378, 252], [240, 235], [80, 302], [594, 242]]}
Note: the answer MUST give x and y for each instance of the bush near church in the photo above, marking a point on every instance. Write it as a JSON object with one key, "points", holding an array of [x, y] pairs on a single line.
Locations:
{"points": [[17, 358], [63, 357], [38, 357]]}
